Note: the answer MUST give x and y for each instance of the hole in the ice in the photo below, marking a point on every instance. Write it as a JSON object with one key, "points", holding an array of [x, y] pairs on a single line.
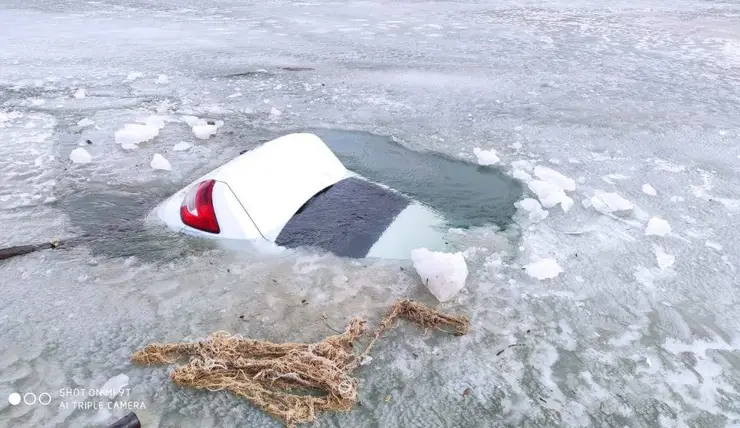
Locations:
{"points": [[112, 224], [468, 195]]}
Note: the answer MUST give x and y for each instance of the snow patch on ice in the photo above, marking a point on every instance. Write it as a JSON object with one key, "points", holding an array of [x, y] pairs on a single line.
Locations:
{"points": [[80, 94], [649, 190], [181, 146], [85, 122], [714, 245], [133, 76], [80, 155], [657, 227], [160, 163], [162, 79], [486, 157], [444, 274], [610, 178], [542, 269]]}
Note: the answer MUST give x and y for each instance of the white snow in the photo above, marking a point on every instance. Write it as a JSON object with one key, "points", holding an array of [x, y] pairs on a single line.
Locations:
{"points": [[486, 157], [133, 76], [114, 385], [160, 163], [80, 155], [85, 122], [204, 132], [665, 260], [547, 268], [275, 112], [714, 245], [611, 203], [162, 79], [550, 194], [181, 146], [553, 177], [649, 190], [657, 227], [80, 94], [536, 213], [444, 274]]}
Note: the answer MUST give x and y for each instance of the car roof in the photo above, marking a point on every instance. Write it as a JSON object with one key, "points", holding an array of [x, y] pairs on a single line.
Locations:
{"points": [[275, 179]]}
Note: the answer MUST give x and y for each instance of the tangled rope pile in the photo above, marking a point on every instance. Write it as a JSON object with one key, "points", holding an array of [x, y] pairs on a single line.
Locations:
{"points": [[284, 379]]}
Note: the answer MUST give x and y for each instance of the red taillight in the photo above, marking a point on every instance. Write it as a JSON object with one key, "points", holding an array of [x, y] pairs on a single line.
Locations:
{"points": [[197, 209]]}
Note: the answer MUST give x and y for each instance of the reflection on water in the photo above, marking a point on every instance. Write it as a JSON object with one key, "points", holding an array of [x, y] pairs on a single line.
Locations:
{"points": [[468, 195], [113, 223]]}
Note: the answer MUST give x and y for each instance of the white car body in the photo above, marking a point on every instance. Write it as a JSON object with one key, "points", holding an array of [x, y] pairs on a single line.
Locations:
{"points": [[257, 196]]}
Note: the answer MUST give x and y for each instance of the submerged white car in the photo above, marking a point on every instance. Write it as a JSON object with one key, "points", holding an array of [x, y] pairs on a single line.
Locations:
{"points": [[294, 192]]}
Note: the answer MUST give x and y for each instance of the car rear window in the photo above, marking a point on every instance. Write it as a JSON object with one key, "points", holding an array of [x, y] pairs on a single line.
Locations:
{"points": [[346, 218]]}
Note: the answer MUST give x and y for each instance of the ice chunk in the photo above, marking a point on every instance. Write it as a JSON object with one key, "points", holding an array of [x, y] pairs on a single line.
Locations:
{"points": [[665, 260], [181, 146], [657, 227], [550, 194], [523, 165], [544, 269], [85, 122], [159, 162], [610, 202], [156, 121], [162, 79], [194, 121], [714, 245], [133, 76], [553, 177], [204, 132], [135, 133], [275, 112], [523, 175], [536, 213], [366, 360], [486, 157], [444, 274], [80, 94], [80, 155], [114, 386], [649, 190]]}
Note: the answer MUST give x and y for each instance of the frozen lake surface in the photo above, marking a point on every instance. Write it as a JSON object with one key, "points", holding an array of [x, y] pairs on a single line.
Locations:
{"points": [[617, 281]]}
